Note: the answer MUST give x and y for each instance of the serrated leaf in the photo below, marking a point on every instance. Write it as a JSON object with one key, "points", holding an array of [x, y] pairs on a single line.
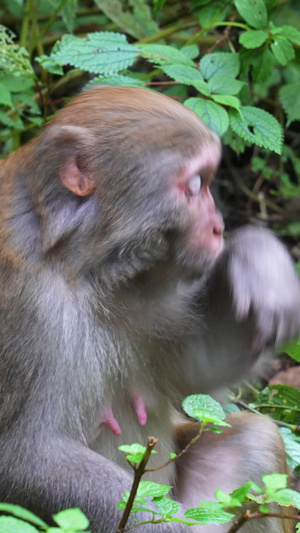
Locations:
{"points": [[253, 38], [220, 64], [212, 114], [99, 52], [254, 12], [50, 65], [166, 506], [262, 62], [16, 84], [226, 99], [10, 524], [275, 481], [191, 51], [258, 127], [183, 74], [162, 54], [209, 516], [283, 50], [289, 96], [202, 402], [225, 85], [152, 489], [5, 96], [71, 519], [118, 80], [133, 17], [290, 33], [68, 13], [22, 513], [285, 497], [292, 447]]}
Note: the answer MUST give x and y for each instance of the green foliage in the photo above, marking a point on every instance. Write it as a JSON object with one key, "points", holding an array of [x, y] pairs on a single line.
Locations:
{"points": [[280, 402], [100, 52], [204, 409], [18, 520], [135, 452], [254, 12]]}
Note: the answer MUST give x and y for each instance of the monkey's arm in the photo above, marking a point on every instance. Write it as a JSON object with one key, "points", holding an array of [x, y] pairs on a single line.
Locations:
{"points": [[252, 300]]}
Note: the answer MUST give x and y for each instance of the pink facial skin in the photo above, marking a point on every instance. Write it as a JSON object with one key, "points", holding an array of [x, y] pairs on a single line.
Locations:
{"points": [[109, 420]]}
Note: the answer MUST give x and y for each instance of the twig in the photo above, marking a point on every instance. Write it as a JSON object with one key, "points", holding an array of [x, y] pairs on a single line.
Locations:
{"points": [[170, 461], [237, 523], [138, 473]]}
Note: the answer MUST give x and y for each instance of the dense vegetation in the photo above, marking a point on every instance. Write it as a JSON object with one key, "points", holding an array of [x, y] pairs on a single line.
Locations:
{"points": [[236, 64]]}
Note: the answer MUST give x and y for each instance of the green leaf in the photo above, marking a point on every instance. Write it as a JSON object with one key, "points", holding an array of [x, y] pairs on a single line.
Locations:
{"points": [[22, 513], [262, 62], [225, 85], [292, 447], [161, 54], [290, 33], [183, 74], [258, 127], [293, 350], [191, 51], [253, 38], [5, 96], [133, 17], [152, 489], [99, 52], [254, 12], [201, 405], [286, 497], [212, 114], [9, 524], [264, 509], [275, 481], [135, 451], [282, 50], [71, 519], [50, 65], [172, 455], [289, 96], [210, 515], [187, 76], [117, 80], [68, 13], [220, 64], [16, 84], [228, 100], [166, 506], [230, 408]]}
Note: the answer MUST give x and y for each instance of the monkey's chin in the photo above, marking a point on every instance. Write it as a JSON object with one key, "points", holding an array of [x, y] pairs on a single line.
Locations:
{"points": [[197, 264]]}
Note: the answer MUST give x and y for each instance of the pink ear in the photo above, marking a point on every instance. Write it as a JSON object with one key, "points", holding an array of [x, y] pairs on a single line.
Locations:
{"points": [[76, 181]]}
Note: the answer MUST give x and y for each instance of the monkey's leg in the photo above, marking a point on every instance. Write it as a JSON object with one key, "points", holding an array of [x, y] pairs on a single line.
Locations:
{"points": [[249, 449]]}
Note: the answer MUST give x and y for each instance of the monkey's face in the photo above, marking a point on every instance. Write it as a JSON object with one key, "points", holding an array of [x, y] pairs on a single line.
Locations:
{"points": [[134, 175], [202, 236]]}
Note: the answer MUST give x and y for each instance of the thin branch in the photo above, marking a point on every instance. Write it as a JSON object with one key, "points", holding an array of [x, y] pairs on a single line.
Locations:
{"points": [[138, 473], [170, 461]]}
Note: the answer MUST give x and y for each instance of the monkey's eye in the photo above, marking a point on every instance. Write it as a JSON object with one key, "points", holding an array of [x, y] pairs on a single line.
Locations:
{"points": [[194, 186]]}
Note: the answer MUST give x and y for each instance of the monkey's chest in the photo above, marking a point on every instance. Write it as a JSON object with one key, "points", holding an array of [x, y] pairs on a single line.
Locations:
{"points": [[132, 419]]}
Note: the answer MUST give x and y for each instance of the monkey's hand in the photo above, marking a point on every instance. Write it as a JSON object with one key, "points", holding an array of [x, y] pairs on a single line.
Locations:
{"points": [[263, 283]]}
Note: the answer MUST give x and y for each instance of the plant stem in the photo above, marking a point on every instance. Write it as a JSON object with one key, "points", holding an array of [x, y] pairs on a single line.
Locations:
{"points": [[138, 473]]}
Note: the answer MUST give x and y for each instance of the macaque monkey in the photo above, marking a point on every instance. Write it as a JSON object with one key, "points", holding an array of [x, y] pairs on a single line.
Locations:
{"points": [[118, 299]]}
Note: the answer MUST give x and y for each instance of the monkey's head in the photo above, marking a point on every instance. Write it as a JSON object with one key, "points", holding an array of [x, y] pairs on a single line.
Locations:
{"points": [[123, 174]]}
